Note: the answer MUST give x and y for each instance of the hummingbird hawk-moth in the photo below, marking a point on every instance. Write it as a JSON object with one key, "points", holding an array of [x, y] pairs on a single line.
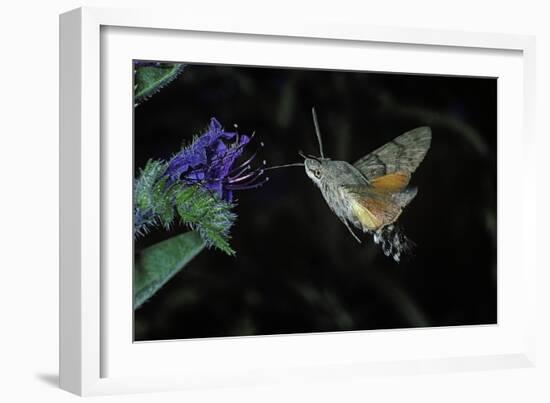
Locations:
{"points": [[371, 193]]}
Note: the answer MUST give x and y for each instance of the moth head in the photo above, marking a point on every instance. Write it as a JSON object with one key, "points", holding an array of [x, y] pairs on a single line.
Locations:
{"points": [[315, 169]]}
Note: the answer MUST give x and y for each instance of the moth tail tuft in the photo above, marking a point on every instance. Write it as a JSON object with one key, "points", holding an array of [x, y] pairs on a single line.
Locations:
{"points": [[394, 242]]}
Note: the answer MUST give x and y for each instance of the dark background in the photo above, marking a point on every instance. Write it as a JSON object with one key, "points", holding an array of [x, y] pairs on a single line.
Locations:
{"points": [[297, 268]]}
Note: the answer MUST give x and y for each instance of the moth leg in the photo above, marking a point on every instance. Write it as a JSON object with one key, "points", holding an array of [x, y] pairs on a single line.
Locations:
{"points": [[349, 229]]}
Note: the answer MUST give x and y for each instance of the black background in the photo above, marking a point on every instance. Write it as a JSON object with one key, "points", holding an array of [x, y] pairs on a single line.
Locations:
{"points": [[297, 268]]}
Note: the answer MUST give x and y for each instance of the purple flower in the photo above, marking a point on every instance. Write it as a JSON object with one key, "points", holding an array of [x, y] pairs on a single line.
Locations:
{"points": [[210, 162]]}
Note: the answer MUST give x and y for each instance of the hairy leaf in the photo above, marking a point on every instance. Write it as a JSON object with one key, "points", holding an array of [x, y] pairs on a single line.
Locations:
{"points": [[206, 213], [149, 78], [157, 264], [158, 203], [152, 200]]}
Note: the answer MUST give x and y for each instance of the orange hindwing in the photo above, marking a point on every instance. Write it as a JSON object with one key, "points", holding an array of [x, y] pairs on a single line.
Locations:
{"points": [[374, 207], [391, 183]]}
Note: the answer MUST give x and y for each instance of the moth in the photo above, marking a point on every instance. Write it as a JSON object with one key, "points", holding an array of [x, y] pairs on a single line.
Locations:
{"points": [[370, 194]]}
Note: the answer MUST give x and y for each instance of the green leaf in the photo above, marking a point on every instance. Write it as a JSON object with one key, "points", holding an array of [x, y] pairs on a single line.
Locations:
{"points": [[158, 204], [150, 199], [150, 79], [209, 215], [157, 264]]}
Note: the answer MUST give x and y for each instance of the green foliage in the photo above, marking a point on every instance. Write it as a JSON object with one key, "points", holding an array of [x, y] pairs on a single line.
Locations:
{"points": [[152, 199], [208, 215], [156, 265], [149, 79], [158, 203]]}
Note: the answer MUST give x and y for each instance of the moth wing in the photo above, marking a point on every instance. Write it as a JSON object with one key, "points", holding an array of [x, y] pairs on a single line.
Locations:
{"points": [[391, 183], [373, 208], [402, 154]]}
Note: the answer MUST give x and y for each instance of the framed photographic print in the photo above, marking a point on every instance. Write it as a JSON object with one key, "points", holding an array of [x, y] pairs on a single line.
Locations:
{"points": [[243, 203]]}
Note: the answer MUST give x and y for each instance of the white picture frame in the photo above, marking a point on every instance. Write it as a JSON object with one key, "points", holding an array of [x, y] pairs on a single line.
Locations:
{"points": [[97, 355]]}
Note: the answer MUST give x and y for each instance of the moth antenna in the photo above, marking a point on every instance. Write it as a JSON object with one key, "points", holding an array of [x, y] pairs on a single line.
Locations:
{"points": [[295, 164], [318, 132], [308, 156]]}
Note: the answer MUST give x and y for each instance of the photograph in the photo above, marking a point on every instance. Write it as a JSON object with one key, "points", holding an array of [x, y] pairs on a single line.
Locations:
{"points": [[270, 200]]}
